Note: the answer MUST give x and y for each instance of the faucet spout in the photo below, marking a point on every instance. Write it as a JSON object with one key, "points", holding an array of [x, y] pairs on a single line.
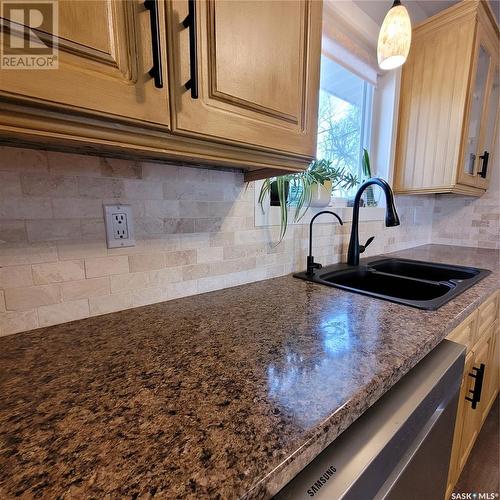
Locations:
{"points": [[391, 216], [311, 265]]}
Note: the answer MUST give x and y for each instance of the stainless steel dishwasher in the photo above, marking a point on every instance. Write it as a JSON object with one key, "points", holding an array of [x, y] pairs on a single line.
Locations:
{"points": [[399, 449]]}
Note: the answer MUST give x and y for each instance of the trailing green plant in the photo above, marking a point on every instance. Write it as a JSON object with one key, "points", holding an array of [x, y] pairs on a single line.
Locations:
{"points": [[367, 173], [301, 188]]}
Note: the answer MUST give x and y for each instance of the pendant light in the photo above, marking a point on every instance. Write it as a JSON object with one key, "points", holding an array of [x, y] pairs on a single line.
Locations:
{"points": [[394, 38]]}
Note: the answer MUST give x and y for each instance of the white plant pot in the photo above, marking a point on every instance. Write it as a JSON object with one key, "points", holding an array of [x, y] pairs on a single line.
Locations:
{"points": [[321, 194]]}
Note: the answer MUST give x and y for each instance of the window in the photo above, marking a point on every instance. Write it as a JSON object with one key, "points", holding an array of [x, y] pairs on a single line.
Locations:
{"points": [[344, 119]]}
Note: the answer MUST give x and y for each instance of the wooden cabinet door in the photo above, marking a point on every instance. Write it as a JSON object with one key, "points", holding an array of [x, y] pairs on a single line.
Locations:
{"points": [[258, 69], [104, 57], [477, 111], [491, 374], [456, 454], [473, 417]]}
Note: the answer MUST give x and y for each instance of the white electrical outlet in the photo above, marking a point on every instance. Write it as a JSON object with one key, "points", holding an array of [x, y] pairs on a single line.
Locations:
{"points": [[119, 226]]}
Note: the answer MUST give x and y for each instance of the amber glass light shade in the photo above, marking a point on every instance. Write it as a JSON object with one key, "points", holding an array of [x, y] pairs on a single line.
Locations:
{"points": [[394, 39]]}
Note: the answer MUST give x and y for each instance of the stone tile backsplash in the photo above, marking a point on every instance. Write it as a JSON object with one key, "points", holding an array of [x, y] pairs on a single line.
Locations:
{"points": [[195, 233]]}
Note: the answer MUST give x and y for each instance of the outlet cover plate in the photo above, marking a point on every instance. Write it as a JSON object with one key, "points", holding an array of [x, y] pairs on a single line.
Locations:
{"points": [[119, 226]]}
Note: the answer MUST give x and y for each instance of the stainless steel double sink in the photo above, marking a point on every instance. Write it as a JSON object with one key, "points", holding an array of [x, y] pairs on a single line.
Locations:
{"points": [[424, 285]]}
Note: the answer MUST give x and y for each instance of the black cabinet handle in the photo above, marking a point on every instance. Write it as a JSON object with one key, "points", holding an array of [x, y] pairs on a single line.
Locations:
{"points": [[190, 22], [484, 157], [478, 385], [156, 71]]}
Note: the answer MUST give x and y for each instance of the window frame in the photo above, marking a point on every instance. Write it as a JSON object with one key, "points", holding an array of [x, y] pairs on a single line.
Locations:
{"points": [[381, 137]]}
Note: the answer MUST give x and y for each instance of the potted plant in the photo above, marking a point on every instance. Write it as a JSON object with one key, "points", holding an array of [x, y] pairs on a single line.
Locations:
{"points": [[313, 187]]}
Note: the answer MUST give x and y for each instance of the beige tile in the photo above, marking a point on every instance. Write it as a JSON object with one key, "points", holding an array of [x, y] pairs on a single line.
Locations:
{"points": [[235, 252], [161, 208], [193, 209], [194, 241], [146, 262], [52, 230], [78, 208], [195, 272], [213, 254], [93, 229], [211, 225], [130, 281], [56, 272], [147, 227], [148, 296], [232, 266], [18, 322], [227, 208], [143, 190], [211, 283], [17, 254], [182, 289], [172, 226], [93, 287], [71, 250], [106, 266], [221, 239], [19, 299], [180, 258], [12, 231], [195, 191], [64, 312], [15, 276], [100, 187], [159, 171], [54, 186], [116, 167], [23, 160], [162, 277], [69, 164], [162, 243], [10, 185], [110, 303], [25, 208]]}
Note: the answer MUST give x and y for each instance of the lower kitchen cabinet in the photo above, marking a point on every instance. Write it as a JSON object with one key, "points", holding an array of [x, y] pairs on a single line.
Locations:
{"points": [[479, 333]]}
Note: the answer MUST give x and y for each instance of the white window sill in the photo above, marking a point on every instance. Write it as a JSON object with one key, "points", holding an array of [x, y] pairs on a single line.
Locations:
{"points": [[270, 216]]}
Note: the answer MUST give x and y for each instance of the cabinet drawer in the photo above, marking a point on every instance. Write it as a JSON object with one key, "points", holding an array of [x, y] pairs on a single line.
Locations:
{"points": [[465, 332], [488, 313]]}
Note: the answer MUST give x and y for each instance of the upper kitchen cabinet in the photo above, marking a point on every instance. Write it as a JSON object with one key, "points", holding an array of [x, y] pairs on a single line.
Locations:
{"points": [[448, 110], [104, 56], [253, 73], [119, 83]]}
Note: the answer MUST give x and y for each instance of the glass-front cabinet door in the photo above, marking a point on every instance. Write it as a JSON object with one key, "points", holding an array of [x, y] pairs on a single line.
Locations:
{"points": [[481, 116], [489, 131], [477, 98]]}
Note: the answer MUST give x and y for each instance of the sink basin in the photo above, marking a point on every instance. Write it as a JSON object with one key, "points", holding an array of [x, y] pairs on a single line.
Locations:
{"points": [[425, 285], [381, 284], [424, 270]]}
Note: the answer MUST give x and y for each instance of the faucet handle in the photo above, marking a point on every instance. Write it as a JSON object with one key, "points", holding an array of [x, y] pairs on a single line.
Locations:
{"points": [[311, 265], [362, 248]]}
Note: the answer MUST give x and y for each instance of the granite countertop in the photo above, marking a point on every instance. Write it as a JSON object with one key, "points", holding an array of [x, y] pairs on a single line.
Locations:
{"points": [[222, 395]]}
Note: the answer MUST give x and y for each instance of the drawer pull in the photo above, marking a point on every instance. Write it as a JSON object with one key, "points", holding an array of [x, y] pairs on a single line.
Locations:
{"points": [[156, 71], [478, 385], [484, 157], [190, 23]]}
